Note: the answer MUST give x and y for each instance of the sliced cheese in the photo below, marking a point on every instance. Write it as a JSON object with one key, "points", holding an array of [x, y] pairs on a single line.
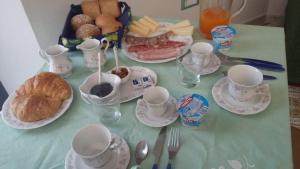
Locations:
{"points": [[141, 26], [147, 18], [184, 23], [186, 31], [140, 31], [148, 24]]}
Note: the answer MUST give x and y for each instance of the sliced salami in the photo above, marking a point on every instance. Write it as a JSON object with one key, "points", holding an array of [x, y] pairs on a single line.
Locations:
{"points": [[164, 45], [133, 40], [157, 54]]}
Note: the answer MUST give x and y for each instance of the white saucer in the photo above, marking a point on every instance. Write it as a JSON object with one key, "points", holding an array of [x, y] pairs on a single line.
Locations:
{"points": [[146, 118], [120, 159], [212, 66], [255, 105]]}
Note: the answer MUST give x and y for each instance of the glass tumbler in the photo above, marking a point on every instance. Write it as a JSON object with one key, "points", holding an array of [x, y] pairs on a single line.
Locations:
{"points": [[108, 109], [188, 70]]}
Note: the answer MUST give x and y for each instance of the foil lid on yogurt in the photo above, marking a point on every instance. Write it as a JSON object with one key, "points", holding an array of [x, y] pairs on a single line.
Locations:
{"points": [[191, 109]]}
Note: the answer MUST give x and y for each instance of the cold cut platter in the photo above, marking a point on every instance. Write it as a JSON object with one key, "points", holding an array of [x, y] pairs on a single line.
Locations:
{"points": [[160, 46]]}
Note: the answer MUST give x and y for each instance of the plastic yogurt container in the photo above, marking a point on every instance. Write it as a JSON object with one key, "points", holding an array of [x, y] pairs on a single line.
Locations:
{"points": [[222, 37], [192, 109]]}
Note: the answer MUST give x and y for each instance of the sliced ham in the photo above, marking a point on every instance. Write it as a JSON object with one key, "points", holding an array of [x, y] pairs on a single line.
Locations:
{"points": [[157, 54]]}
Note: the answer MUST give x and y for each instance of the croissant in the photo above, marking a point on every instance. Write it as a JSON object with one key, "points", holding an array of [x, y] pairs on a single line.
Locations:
{"points": [[34, 107], [46, 84], [40, 97]]}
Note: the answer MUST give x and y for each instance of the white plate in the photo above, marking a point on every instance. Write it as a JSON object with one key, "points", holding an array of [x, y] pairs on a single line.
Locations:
{"points": [[146, 118], [255, 105], [182, 50], [212, 66], [10, 119], [120, 159]]}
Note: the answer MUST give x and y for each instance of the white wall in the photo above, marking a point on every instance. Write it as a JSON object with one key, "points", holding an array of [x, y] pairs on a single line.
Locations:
{"points": [[47, 17], [18, 46], [172, 9]]}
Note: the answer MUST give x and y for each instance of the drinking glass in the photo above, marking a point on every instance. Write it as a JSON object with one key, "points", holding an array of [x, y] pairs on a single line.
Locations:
{"points": [[215, 13], [188, 70], [108, 110]]}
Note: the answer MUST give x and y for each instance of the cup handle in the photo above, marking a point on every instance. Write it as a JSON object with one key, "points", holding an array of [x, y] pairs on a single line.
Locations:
{"points": [[115, 143], [107, 45], [42, 53], [240, 10]]}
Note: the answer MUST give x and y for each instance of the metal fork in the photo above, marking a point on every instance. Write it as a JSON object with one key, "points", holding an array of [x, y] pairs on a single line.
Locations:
{"points": [[173, 145]]}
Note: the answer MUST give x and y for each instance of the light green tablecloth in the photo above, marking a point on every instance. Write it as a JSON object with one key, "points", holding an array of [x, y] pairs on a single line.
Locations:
{"points": [[262, 140]]}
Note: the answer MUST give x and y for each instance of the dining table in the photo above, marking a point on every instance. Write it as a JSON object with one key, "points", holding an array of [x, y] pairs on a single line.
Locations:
{"points": [[224, 140]]}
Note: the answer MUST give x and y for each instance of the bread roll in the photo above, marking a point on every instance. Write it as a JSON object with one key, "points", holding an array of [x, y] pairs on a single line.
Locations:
{"points": [[40, 97], [90, 8], [110, 7], [87, 30], [79, 20], [107, 23]]}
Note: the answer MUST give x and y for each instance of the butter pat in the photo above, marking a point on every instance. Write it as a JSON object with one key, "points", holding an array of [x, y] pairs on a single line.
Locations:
{"points": [[147, 24], [181, 24], [141, 26], [186, 31], [136, 29], [147, 18]]}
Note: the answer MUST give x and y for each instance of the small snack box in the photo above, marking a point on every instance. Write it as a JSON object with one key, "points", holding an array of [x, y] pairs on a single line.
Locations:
{"points": [[192, 109], [222, 37]]}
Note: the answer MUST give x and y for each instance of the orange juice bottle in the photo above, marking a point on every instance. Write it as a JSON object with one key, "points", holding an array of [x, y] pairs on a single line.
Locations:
{"points": [[212, 17]]}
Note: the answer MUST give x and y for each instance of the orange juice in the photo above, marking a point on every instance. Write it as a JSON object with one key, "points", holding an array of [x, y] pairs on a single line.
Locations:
{"points": [[212, 17]]}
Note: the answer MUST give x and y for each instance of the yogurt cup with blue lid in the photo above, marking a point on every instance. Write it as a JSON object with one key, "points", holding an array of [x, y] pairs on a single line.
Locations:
{"points": [[192, 109], [222, 37]]}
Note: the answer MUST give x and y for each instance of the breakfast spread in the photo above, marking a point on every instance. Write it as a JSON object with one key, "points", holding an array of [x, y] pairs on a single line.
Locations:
{"points": [[40, 97], [192, 109], [102, 89]]}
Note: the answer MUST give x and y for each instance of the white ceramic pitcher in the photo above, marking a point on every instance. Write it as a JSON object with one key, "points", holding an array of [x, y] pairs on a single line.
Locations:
{"points": [[57, 59], [90, 49]]}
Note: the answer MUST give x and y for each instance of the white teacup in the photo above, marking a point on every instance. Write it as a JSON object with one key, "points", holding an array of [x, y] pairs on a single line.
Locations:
{"points": [[90, 49], [244, 82], [156, 98], [202, 53], [94, 145]]}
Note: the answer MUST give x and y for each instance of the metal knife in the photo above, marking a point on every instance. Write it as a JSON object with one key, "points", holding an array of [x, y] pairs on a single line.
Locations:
{"points": [[158, 147]]}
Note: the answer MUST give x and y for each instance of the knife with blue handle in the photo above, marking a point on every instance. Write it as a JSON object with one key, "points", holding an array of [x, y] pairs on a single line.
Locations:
{"points": [[159, 144], [256, 61], [266, 66]]}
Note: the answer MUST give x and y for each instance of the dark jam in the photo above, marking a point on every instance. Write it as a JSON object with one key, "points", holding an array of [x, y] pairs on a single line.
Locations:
{"points": [[102, 90], [123, 72]]}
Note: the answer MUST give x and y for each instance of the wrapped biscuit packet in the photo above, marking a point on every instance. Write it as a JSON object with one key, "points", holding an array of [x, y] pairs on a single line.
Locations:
{"points": [[192, 109]]}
